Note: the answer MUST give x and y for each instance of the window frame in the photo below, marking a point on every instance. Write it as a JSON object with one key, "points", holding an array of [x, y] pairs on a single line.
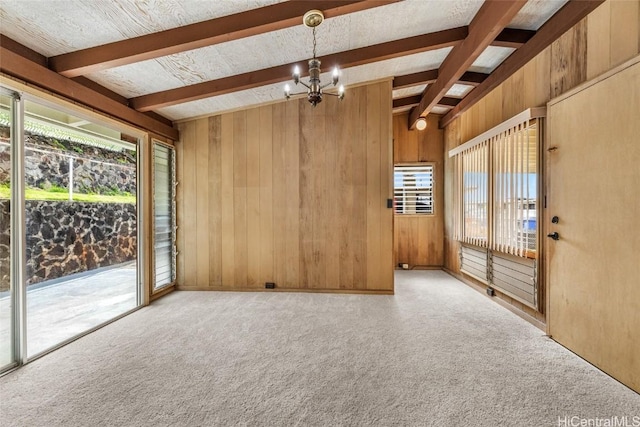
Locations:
{"points": [[432, 211], [173, 223]]}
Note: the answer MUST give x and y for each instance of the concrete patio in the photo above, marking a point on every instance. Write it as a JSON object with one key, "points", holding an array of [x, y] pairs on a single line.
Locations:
{"points": [[63, 308]]}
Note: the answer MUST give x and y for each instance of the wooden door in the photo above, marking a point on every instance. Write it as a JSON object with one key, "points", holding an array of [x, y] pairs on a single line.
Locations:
{"points": [[593, 187]]}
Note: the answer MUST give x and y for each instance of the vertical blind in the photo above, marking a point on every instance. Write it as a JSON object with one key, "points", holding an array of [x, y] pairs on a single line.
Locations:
{"points": [[164, 214], [515, 201], [497, 186], [475, 195]]}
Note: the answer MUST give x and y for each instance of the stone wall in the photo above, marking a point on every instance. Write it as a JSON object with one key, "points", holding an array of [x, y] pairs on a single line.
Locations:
{"points": [[47, 160], [70, 237]]}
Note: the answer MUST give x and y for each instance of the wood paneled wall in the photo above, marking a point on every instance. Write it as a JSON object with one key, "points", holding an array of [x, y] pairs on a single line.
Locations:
{"points": [[609, 36], [290, 194], [418, 239]]}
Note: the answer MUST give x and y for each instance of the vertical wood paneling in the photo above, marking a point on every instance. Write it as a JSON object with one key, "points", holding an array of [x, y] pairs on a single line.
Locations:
{"points": [[624, 34], [189, 142], [215, 201], [333, 112], [227, 210], [180, 206], [253, 197], [359, 164], [374, 211], [418, 240], [321, 200], [307, 205], [598, 47], [293, 230], [291, 194], [202, 204], [266, 195], [346, 201], [569, 60], [386, 190], [280, 206], [240, 196]]}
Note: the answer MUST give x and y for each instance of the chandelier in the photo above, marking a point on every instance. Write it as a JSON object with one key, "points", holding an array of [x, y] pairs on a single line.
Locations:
{"points": [[312, 19]]}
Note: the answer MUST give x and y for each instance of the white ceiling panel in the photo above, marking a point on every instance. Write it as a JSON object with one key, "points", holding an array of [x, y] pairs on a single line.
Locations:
{"points": [[440, 110], [535, 13], [408, 91], [395, 67], [55, 27], [490, 59], [459, 90]]}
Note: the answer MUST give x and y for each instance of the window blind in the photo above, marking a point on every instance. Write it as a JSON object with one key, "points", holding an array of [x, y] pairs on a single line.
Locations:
{"points": [[413, 189]]}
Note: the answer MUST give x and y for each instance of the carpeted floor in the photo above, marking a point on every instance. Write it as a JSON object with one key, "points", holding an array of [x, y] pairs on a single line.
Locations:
{"points": [[436, 354]]}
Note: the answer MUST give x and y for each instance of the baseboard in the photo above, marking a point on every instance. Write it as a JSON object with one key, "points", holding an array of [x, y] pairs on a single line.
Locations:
{"points": [[482, 289], [311, 290]]}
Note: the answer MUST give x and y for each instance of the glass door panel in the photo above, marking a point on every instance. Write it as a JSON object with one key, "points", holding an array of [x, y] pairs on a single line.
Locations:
{"points": [[81, 225], [7, 306]]}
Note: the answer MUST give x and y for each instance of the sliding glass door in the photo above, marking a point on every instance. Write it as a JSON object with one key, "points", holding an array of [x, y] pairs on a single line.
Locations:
{"points": [[68, 225], [7, 290]]}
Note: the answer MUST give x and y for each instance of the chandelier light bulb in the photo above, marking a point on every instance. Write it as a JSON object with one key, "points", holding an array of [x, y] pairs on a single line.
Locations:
{"points": [[335, 76], [296, 74], [287, 91], [341, 92]]}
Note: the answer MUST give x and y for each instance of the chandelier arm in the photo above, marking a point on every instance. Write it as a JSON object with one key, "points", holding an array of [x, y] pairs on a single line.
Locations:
{"points": [[299, 93], [327, 85], [304, 84]]}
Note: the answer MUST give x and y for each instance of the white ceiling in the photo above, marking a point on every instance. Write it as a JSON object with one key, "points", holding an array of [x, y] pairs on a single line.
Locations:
{"points": [[55, 27]]}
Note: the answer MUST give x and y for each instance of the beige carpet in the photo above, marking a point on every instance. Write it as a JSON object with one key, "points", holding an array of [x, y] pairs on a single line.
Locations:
{"points": [[436, 354]]}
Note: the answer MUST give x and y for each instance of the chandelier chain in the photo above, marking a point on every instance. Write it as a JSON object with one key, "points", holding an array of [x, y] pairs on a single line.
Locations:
{"points": [[314, 42]]}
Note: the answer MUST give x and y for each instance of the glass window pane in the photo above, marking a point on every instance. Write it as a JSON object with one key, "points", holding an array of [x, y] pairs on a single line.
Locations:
{"points": [[81, 225], [164, 217]]}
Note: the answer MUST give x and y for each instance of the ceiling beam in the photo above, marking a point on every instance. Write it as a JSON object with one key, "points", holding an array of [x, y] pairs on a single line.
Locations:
{"points": [[513, 37], [346, 59], [491, 19], [227, 28], [430, 76], [568, 16], [415, 100], [472, 78], [415, 79], [35, 73]]}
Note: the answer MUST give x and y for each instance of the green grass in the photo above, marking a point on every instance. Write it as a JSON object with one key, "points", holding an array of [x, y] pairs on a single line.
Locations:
{"points": [[40, 194]]}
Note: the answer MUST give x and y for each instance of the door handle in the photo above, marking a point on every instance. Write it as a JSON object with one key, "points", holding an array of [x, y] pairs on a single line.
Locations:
{"points": [[554, 235]]}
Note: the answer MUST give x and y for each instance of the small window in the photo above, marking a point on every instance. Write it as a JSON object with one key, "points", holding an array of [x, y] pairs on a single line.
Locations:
{"points": [[413, 189], [164, 207]]}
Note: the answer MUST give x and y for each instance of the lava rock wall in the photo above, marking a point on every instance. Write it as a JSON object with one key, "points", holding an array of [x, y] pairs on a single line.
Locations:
{"points": [[70, 237]]}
